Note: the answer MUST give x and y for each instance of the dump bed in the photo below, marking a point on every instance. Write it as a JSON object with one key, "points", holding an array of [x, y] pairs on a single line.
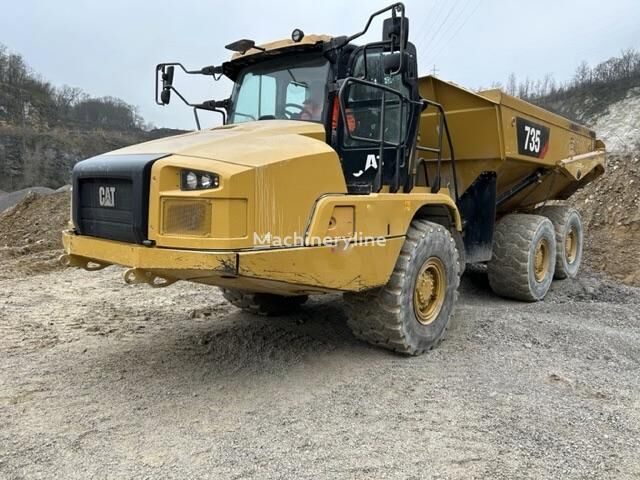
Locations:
{"points": [[537, 155]]}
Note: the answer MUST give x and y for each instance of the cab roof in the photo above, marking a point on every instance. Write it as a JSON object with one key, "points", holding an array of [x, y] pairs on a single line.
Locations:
{"points": [[279, 45], [254, 55]]}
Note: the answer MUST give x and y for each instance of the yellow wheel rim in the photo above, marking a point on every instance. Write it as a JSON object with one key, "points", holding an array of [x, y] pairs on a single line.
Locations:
{"points": [[429, 291], [541, 266], [571, 245]]}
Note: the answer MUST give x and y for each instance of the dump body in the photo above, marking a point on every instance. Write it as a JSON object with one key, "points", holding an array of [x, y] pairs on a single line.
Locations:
{"points": [[537, 155]]}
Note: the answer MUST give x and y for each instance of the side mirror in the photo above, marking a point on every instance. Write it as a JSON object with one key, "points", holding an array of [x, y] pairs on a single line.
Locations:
{"points": [[396, 29], [167, 83], [392, 63]]}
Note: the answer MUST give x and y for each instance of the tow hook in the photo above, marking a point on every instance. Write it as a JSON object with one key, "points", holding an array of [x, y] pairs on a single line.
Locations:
{"points": [[133, 276], [81, 262]]}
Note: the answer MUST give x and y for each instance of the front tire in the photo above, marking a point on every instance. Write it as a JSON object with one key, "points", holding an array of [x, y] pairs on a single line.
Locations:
{"points": [[265, 304], [410, 314]]}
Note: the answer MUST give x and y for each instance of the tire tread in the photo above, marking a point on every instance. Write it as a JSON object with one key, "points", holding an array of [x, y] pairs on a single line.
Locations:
{"points": [[375, 316]]}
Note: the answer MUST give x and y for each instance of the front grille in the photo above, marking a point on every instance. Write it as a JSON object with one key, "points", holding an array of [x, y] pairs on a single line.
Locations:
{"points": [[111, 196], [186, 217], [105, 207]]}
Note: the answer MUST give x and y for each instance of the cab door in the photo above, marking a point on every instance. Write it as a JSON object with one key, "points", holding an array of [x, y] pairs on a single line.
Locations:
{"points": [[379, 108]]}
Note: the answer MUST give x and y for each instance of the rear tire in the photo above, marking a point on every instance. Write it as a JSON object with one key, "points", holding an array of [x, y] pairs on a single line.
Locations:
{"points": [[410, 314], [524, 257], [567, 224], [265, 304]]}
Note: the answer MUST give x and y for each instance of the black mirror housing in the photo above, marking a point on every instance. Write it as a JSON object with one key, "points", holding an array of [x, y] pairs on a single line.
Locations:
{"points": [[395, 27], [165, 96], [167, 83], [167, 77], [392, 63]]}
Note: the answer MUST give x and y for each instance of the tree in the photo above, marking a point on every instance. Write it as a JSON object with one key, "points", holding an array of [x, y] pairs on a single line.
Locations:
{"points": [[25, 94], [583, 74], [512, 84]]}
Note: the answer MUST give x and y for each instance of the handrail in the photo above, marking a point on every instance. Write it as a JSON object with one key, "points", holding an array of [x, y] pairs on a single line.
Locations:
{"points": [[381, 141], [443, 127]]}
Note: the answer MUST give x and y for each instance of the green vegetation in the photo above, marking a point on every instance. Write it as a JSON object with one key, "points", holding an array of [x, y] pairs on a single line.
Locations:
{"points": [[27, 99], [588, 93], [45, 130]]}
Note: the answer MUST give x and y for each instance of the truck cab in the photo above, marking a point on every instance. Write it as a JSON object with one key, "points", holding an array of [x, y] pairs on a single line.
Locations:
{"points": [[365, 97]]}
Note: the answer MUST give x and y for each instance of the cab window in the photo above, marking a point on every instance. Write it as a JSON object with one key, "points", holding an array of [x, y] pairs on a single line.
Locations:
{"points": [[365, 102], [292, 88]]}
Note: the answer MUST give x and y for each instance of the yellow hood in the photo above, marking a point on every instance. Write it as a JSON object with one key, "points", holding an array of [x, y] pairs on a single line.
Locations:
{"points": [[251, 144]]}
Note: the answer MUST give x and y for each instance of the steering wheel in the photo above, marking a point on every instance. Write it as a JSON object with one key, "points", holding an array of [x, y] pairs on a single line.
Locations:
{"points": [[287, 110]]}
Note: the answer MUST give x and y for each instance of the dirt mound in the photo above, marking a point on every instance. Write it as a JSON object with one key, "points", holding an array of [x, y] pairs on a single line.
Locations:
{"points": [[10, 199], [610, 210], [30, 233]]}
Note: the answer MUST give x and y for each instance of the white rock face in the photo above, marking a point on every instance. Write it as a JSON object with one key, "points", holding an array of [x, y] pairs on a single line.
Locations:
{"points": [[619, 127]]}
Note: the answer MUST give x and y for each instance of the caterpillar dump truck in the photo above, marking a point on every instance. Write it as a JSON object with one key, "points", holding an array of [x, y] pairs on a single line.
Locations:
{"points": [[338, 169]]}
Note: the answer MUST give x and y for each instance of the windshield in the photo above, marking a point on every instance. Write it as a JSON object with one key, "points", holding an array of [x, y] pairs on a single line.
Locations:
{"points": [[292, 88]]}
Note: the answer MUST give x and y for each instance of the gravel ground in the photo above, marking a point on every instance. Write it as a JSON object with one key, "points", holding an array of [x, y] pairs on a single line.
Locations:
{"points": [[104, 380]]}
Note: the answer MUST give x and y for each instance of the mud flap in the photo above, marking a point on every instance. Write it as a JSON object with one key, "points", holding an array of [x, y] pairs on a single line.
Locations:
{"points": [[478, 209]]}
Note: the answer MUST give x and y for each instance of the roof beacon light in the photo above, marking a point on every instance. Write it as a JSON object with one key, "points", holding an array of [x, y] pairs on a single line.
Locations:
{"points": [[297, 35]]}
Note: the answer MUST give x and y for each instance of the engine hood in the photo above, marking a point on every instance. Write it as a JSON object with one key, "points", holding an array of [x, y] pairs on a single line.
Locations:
{"points": [[251, 144]]}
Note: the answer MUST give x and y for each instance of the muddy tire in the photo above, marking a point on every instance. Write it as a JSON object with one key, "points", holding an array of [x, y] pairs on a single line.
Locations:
{"points": [[567, 224], [524, 257], [266, 304], [410, 314], [462, 262]]}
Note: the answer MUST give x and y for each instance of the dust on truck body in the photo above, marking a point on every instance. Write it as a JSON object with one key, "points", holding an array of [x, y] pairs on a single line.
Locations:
{"points": [[338, 169]]}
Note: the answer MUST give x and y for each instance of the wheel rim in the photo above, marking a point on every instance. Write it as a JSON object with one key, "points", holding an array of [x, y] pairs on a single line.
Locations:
{"points": [[429, 291], [571, 245], [541, 260]]}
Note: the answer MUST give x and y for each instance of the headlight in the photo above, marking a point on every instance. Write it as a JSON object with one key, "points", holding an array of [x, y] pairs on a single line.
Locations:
{"points": [[206, 181], [195, 180], [191, 181]]}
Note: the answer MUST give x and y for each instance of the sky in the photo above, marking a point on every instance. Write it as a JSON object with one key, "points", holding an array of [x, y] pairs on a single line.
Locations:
{"points": [[111, 48]]}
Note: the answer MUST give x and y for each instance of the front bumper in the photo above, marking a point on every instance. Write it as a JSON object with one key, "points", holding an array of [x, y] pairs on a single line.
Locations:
{"points": [[285, 271], [109, 252]]}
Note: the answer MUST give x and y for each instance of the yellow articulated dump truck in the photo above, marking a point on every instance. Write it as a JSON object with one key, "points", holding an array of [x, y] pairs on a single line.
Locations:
{"points": [[337, 169]]}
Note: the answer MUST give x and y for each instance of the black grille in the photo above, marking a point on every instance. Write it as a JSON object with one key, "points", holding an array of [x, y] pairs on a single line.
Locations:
{"points": [[113, 220], [111, 196]]}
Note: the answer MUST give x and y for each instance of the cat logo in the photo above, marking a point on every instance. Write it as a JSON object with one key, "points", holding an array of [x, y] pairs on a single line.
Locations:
{"points": [[107, 196]]}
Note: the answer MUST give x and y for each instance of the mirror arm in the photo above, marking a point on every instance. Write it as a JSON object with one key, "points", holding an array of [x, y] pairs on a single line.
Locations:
{"points": [[195, 114], [211, 106], [173, 89], [210, 70], [395, 7], [217, 110], [215, 72]]}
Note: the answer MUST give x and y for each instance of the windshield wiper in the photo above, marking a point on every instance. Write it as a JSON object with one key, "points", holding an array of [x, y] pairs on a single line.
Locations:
{"points": [[296, 82]]}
